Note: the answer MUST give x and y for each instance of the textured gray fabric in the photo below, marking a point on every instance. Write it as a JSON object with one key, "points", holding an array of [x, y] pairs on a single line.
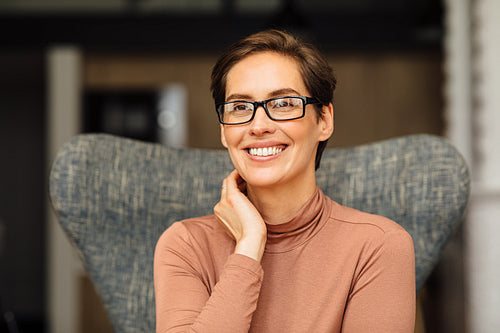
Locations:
{"points": [[114, 197]]}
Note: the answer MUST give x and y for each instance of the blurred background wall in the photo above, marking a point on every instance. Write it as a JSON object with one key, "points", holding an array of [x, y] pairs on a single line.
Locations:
{"points": [[140, 68]]}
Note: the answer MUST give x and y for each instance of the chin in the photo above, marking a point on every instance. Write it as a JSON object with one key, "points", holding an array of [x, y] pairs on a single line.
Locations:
{"points": [[261, 178]]}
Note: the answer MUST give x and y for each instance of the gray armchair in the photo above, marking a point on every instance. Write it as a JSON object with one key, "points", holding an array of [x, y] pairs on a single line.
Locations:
{"points": [[115, 196]]}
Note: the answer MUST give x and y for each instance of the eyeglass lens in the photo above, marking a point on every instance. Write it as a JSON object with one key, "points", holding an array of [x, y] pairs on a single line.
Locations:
{"points": [[279, 109]]}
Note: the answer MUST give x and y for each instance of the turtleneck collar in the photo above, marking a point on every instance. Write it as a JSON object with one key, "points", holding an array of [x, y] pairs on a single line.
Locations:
{"points": [[300, 229]]}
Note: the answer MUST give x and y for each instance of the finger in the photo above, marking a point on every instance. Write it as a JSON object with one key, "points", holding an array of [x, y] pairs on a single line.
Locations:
{"points": [[241, 183], [239, 179], [232, 181], [223, 189], [227, 228]]}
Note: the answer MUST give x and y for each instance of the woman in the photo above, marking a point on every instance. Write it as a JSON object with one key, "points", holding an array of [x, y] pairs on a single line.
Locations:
{"points": [[278, 255]]}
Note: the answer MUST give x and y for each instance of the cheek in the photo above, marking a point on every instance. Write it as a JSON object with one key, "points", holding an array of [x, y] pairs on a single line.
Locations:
{"points": [[303, 135], [223, 136], [230, 137]]}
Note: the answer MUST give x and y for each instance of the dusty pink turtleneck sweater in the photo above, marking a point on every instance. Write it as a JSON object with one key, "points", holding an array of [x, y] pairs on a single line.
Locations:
{"points": [[329, 269]]}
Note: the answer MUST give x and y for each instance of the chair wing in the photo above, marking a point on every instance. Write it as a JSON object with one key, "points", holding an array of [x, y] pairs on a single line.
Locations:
{"points": [[419, 181], [115, 196]]}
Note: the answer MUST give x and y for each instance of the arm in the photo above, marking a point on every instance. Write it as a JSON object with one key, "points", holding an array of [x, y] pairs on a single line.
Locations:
{"points": [[382, 298], [184, 302]]}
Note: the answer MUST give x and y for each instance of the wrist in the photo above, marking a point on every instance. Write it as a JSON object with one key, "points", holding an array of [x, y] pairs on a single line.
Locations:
{"points": [[251, 246]]}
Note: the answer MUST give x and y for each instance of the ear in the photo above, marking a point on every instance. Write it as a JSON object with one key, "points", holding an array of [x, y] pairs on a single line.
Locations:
{"points": [[223, 136], [327, 122]]}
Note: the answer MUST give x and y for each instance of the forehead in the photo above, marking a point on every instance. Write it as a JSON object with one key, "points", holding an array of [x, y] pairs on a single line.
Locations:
{"points": [[261, 73]]}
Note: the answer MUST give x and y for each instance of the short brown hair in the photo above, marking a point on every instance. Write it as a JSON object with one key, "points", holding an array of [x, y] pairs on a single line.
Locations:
{"points": [[317, 74]]}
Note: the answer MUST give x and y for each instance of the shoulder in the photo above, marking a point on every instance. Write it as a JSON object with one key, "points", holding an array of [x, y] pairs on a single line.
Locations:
{"points": [[199, 240], [372, 241], [197, 246], [353, 218], [187, 232], [366, 228]]}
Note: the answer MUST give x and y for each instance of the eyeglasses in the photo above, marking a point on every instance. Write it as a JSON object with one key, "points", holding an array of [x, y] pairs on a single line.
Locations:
{"points": [[278, 109]]}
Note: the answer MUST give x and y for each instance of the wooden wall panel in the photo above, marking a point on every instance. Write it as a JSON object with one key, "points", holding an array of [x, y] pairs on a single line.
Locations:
{"points": [[129, 72], [379, 95]]}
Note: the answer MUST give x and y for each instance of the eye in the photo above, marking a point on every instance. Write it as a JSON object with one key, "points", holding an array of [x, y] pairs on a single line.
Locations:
{"points": [[283, 104], [238, 108]]}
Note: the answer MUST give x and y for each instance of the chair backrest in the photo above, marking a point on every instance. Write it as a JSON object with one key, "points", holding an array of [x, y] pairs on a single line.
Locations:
{"points": [[115, 196]]}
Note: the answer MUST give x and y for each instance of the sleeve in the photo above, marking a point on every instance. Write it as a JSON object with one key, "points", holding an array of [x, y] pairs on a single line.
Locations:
{"points": [[183, 300], [383, 295]]}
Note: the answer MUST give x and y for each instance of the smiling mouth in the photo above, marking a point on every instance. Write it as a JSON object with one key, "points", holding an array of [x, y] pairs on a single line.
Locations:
{"points": [[265, 151]]}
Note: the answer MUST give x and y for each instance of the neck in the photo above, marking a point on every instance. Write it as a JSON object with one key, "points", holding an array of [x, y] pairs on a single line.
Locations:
{"points": [[277, 204]]}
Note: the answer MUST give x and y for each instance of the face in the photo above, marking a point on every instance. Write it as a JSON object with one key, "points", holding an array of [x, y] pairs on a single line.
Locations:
{"points": [[287, 147]]}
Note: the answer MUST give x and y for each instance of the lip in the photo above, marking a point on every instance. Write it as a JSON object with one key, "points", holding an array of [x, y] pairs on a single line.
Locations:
{"points": [[265, 144]]}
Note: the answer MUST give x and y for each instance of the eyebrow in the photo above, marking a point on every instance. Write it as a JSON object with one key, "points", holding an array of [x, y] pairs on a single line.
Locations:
{"points": [[275, 93]]}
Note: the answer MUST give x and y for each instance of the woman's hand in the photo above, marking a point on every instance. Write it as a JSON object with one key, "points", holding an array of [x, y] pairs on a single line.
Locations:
{"points": [[240, 218]]}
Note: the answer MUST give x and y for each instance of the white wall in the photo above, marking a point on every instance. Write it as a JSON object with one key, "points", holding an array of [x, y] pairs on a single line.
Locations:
{"points": [[63, 122], [483, 227], [472, 94]]}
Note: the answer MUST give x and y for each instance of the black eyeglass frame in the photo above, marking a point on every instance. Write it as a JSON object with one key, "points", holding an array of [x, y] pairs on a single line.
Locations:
{"points": [[305, 101]]}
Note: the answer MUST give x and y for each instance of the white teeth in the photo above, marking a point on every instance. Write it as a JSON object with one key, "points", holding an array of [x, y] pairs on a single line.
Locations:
{"points": [[267, 151]]}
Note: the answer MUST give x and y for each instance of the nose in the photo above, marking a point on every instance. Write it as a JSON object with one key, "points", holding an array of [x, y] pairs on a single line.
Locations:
{"points": [[261, 123]]}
